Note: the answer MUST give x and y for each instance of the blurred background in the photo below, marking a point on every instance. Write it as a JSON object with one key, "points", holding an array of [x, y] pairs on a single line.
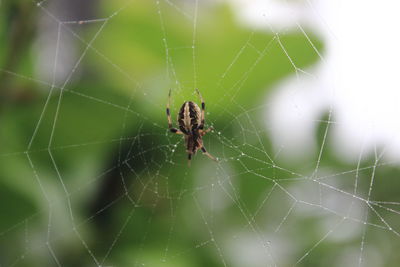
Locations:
{"points": [[303, 97]]}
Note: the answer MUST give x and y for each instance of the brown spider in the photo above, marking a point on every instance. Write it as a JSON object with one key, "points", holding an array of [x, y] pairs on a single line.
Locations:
{"points": [[191, 125]]}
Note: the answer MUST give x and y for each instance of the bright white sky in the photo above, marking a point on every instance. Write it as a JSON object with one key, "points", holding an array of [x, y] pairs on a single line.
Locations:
{"points": [[359, 76]]}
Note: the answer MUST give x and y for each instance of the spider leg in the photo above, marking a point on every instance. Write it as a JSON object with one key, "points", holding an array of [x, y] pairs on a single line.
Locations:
{"points": [[189, 159], [172, 129], [203, 107], [203, 132], [175, 131], [208, 154]]}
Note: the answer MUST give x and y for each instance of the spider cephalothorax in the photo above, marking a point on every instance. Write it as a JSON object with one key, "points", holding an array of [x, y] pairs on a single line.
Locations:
{"points": [[191, 125]]}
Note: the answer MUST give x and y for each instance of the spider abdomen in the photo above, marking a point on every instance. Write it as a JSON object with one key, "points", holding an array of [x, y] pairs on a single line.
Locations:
{"points": [[189, 117]]}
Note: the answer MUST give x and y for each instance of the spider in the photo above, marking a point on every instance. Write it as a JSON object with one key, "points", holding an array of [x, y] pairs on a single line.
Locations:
{"points": [[191, 125]]}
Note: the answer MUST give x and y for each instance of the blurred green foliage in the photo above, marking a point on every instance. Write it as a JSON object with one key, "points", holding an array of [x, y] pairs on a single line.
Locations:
{"points": [[133, 199]]}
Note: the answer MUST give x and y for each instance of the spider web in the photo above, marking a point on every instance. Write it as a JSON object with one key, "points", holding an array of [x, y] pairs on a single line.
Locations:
{"points": [[143, 206]]}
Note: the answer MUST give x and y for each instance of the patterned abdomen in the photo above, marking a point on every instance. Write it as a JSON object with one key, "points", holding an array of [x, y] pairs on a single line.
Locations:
{"points": [[189, 117]]}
